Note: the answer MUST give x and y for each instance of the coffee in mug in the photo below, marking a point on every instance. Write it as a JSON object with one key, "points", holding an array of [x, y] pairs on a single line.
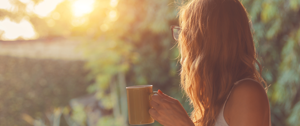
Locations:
{"points": [[138, 100]]}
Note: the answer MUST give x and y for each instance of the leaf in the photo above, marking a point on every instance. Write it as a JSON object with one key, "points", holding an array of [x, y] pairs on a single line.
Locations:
{"points": [[294, 4], [294, 117], [268, 12], [107, 102], [79, 114], [274, 29], [255, 9]]}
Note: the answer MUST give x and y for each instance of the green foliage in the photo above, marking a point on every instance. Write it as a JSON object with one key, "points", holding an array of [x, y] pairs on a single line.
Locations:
{"points": [[36, 86], [79, 114], [110, 121]]}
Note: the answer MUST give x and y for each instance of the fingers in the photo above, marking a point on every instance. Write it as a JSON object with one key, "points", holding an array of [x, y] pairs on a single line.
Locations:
{"points": [[167, 98], [154, 114], [158, 99], [154, 105]]}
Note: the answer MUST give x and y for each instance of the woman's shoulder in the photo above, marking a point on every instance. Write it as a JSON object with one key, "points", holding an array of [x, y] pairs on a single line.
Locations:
{"points": [[248, 104], [249, 88]]}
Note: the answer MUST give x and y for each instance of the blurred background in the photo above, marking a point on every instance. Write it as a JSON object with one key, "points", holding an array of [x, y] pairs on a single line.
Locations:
{"points": [[67, 62]]}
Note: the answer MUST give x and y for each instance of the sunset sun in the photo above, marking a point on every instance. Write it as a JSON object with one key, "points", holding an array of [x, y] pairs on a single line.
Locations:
{"points": [[82, 7]]}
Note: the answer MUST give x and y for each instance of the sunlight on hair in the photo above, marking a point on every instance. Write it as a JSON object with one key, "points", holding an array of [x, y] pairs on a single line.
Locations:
{"points": [[82, 7]]}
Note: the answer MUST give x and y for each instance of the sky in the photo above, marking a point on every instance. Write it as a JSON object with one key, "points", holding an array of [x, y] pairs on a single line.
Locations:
{"points": [[14, 30], [11, 30]]}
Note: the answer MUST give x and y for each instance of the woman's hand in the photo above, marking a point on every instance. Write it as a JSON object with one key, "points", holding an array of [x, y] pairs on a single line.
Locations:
{"points": [[168, 111]]}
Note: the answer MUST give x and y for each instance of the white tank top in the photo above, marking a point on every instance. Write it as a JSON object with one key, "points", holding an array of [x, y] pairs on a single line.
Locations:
{"points": [[220, 121]]}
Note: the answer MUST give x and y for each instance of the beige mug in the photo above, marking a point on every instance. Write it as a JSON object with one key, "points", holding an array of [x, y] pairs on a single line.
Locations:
{"points": [[138, 100]]}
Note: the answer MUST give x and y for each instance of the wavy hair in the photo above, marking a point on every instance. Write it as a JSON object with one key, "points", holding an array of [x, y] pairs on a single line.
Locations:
{"points": [[217, 49]]}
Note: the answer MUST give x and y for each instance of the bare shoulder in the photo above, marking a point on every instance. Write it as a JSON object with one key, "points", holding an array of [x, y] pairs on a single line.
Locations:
{"points": [[249, 89], [248, 105]]}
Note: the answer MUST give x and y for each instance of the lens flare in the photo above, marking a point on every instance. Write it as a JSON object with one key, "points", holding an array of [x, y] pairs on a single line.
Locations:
{"points": [[82, 7]]}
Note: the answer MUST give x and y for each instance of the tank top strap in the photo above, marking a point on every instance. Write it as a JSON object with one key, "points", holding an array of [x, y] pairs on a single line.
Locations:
{"points": [[237, 82]]}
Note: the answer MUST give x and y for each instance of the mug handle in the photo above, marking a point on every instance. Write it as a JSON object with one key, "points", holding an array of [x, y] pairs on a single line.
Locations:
{"points": [[152, 93]]}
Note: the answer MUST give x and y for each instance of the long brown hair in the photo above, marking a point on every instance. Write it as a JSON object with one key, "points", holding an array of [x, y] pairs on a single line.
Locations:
{"points": [[217, 49]]}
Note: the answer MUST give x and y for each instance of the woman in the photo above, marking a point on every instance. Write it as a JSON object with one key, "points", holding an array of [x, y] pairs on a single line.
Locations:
{"points": [[218, 72]]}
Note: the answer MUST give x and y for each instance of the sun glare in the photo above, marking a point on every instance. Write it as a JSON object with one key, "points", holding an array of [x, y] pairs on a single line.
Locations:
{"points": [[113, 3], [82, 7], [113, 15], [14, 30]]}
